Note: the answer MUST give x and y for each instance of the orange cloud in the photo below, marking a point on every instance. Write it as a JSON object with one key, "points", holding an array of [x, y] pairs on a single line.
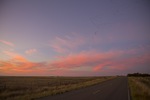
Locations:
{"points": [[97, 62], [15, 56], [30, 51], [19, 64], [7, 43]]}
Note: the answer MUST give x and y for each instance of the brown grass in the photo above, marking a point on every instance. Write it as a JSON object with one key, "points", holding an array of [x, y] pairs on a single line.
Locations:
{"points": [[27, 88], [140, 88]]}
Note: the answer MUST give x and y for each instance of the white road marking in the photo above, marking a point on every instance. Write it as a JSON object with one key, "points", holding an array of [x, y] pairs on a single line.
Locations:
{"points": [[96, 92], [128, 95]]}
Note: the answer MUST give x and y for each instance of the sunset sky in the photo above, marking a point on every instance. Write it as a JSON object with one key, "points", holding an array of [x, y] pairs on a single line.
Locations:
{"points": [[74, 37]]}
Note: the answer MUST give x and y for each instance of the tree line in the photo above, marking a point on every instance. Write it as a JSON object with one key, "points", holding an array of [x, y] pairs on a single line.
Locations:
{"points": [[138, 75]]}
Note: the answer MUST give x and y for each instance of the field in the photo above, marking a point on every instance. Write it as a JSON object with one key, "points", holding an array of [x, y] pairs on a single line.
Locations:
{"points": [[140, 88], [29, 88]]}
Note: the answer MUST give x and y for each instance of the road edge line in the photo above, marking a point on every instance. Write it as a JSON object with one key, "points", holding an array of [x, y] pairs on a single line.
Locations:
{"points": [[128, 95], [129, 92]]}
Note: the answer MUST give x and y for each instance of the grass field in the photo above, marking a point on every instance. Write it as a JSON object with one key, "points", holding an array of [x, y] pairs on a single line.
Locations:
{"points": [[140, 88], [29, 88]]}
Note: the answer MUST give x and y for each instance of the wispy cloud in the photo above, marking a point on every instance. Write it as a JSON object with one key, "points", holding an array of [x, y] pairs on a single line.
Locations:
{"points": [[30, 51], [84, 59], [66, 43], [7, 43], [58, 48]]}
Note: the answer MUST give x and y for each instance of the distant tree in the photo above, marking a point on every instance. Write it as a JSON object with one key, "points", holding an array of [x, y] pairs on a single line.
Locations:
{"points": [[138, 75]]}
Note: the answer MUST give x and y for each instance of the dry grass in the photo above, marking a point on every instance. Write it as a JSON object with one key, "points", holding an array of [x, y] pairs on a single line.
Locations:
{"points": [[29, 88], [140, 88]]}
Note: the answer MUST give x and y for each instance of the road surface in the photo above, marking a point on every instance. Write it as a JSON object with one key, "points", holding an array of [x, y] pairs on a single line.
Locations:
{"points": [[115, 89]]}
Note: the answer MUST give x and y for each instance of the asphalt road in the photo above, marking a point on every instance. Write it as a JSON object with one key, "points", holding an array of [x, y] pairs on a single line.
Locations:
{"points": [[115, 89]]}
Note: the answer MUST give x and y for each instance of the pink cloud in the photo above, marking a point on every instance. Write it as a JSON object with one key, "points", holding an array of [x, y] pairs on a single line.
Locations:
{"points": [[58, 48], [125, 63], [100, 66], [102, 61], [7, 43], [66, 43], [30, 51], [84, 59]]}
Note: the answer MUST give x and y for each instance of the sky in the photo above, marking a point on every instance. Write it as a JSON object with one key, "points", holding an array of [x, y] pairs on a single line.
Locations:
{"points": [[74, 37]]}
